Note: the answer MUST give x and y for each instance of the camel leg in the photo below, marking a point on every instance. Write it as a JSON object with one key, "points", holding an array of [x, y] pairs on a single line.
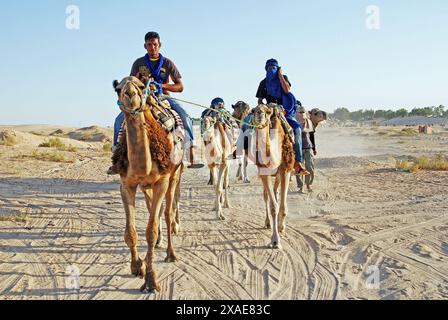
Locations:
{"points": [[239, 172], [226, 187], [267, 223], [276, 185], [244, 170], [283, 204], [210, 180], [170, 195], [176, 204], [267, 183], [219, 192], [160, 237], [152, 230], [138, 267]]}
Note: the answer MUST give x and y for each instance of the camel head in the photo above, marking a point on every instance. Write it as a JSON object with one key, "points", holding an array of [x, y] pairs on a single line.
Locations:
{"points": [[130, 93], [208, 122], [240, 110], [317, 116], [262, 115]]}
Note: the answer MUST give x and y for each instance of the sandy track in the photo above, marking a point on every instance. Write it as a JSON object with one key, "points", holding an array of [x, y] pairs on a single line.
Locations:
{"points": [[363, 215]]}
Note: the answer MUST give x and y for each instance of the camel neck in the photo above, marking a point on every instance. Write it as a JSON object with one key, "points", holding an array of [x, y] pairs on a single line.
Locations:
{"points": [[138, 145]]}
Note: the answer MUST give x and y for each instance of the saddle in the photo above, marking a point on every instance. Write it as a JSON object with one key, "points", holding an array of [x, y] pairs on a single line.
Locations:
{"points": [[224, 117], [167, 117]]}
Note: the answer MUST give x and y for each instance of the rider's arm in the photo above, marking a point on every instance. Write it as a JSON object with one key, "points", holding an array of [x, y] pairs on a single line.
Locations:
{"points": [[284, 83], [177, 86]]}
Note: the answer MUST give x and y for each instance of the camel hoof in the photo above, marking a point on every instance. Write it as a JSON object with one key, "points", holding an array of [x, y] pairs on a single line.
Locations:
{"points": [[246, 180], [275, 245], [222, 218], [227, 206], [147, 290], [138, 269], [150, 286], [267, 226], [175, 228], [171, 258]]}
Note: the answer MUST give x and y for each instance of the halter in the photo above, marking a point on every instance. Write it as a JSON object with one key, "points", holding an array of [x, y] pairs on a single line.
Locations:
{"points": [[143, 106]]}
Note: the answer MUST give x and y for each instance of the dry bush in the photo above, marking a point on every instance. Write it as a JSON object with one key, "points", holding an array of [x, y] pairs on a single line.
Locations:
{"points": [[107, 147], [58, 144], [437, 163], [8, 141], [46, 156], [15, 216], [86, 137]]}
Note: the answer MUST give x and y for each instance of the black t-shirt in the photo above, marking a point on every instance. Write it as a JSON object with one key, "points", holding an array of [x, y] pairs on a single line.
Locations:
{"points": [[168, 69], [262, 92]]}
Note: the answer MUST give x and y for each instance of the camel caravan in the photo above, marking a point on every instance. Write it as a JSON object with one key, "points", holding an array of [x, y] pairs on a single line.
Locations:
{"points": [[151, 153], [154, 143]]}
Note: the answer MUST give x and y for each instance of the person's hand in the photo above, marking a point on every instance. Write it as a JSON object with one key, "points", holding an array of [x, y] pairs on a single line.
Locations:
{"points": [[280, 72], [315, 152], [157, 88]]}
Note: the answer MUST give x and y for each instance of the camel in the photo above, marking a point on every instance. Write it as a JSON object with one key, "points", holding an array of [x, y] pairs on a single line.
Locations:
{"points": [[152, 166], [317, 116], [274, 158], [220, 145], [241, 111]]}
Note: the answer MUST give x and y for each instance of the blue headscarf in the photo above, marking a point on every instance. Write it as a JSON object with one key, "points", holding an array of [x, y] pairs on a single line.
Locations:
{"points": [[155, 71], [272, 81], [275, 90]]}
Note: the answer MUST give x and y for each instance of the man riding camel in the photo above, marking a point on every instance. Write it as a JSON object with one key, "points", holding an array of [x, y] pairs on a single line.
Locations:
{"points": [[276, 88], [161, 69]]}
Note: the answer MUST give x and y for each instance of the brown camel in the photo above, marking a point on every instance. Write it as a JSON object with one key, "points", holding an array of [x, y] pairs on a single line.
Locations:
{"points": [[274, 157], [152, 165], [241, 111], [220, 145]]}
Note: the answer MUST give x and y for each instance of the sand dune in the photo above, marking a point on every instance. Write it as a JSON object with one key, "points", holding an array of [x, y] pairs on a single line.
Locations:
{"points": [[364, 219]]}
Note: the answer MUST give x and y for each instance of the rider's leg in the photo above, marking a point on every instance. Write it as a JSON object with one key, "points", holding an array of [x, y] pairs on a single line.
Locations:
{"points": [[117, 126], [188, 125]]}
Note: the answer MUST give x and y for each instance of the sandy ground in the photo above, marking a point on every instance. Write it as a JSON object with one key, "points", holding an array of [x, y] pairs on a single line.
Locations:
{"points": [[366, 232]]}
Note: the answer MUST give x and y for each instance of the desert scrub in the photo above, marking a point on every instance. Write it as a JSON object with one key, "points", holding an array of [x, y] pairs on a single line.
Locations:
{"points": [[14, 216], [86, 137], [8, 141], [58, 144], [408, 132], [437, 163], [107, 147], [37, 133], [47, 156]]}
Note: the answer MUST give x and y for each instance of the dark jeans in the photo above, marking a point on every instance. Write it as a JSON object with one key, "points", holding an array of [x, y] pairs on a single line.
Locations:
{"points": [[176, 107]]}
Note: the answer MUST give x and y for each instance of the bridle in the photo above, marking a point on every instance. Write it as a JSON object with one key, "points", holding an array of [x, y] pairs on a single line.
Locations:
{"points": [[143, 95]]}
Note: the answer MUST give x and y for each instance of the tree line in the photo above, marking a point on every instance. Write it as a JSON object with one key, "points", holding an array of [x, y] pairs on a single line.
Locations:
{"points": [[344, 114]]}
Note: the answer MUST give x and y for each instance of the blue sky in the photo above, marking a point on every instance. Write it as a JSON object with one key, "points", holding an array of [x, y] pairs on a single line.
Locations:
{"points": [[52, 75]]}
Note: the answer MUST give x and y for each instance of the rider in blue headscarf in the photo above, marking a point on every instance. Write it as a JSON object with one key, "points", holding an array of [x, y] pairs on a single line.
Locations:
{"points": [[277, 90]]}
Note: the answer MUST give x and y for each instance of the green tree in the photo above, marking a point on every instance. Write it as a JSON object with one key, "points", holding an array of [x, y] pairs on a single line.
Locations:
{"points": [[401, 113], [342, 114]]}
